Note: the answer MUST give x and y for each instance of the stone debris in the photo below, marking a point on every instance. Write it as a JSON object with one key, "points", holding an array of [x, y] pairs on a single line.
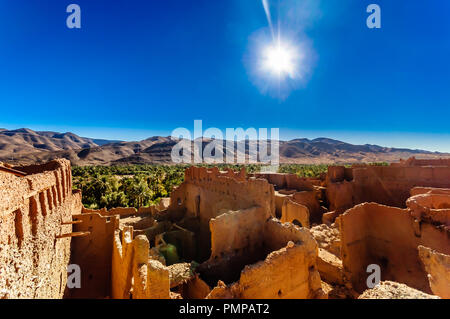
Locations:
{"points": [[226, 234], [394, 290]]}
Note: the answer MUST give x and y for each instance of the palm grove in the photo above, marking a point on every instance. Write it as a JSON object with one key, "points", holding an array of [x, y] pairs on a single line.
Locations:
{"points": [[144, 185]]}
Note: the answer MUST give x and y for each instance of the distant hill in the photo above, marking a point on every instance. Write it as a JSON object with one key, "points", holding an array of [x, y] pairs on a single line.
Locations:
{"points": [[24, 141], [28, 146]]}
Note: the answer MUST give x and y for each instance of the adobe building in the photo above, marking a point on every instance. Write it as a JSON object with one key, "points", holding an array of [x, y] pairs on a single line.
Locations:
{"points": [[226, 234], [36, 207], [223, 227]]}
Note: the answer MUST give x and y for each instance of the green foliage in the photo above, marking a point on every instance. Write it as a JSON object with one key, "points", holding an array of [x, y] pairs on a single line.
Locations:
{"points": [[170, 254], [126, 186], [143, 185], [310, 171], [379, 164], [131, 185]]}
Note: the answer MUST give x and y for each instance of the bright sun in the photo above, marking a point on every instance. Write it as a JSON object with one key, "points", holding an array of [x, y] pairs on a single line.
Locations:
{"points": [[280, 60]]}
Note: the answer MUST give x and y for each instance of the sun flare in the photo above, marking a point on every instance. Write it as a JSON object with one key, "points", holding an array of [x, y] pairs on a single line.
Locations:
{"points": [[280, 60]]}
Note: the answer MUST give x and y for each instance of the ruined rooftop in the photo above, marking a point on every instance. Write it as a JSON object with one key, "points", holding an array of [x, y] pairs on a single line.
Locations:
{"points": [[227, 234]]}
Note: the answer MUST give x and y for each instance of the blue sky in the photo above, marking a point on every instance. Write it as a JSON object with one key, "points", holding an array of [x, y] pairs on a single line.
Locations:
{"points": [[142, 68]]}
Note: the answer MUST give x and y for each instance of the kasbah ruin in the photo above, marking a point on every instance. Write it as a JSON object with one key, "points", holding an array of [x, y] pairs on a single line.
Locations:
{"points": [[239, 235]]}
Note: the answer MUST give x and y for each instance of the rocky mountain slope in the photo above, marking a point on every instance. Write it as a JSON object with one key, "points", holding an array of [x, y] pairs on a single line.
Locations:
{"points": [[28, 146]]}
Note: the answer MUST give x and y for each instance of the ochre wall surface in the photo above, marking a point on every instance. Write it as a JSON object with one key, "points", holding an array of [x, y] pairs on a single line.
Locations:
{"points": [[387, 185], [437, 266], [134, 275], [245, 243], [205, 193], [423, 162], [432, 208], [387, 236], [286, 181], [93, 253], [293, 212], [243, 251], [237, 231], [33, 261], [309, 199], [280, 265]]}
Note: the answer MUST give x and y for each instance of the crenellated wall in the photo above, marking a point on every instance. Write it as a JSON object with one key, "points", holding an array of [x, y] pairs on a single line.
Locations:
{"points": [[33, 213]]}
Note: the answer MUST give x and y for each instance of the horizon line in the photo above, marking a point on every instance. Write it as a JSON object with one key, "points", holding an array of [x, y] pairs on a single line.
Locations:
{"points": [[284, 139]]}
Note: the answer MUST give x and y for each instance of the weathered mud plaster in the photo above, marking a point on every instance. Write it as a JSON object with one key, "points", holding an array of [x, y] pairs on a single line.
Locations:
{"points": [[34, 211], [387, 185], [437, 266], [387, 236]]}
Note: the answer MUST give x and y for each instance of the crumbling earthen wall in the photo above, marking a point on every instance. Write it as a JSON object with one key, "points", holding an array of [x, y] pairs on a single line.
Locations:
{"points": [[284, 268], [237, 231], [286, 185], [387, 236], [340, 196], [134, 274], [423, 162], [309, 199], [293, 212], [122, 211], [224, 220], [437, 266], [206, 193], [287, 181], [224, 192], [279, 201], [429, 190], [246, 244], [302, 207], [35, 211], [432, 208], [93, 253], [387, 185], [329, 261], [236, 240]]}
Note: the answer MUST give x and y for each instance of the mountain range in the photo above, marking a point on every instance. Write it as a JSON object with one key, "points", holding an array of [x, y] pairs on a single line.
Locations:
{"points": [[26, 146]]}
